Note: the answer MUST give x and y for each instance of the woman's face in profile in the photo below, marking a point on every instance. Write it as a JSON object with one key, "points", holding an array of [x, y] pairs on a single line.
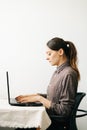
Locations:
{"points": [[52, 56]]}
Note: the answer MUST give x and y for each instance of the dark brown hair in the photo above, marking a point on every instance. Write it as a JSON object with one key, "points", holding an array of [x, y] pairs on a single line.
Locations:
{"points": [[69, 49]]}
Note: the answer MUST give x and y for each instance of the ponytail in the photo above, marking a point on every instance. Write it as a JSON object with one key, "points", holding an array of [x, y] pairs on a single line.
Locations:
{"points": [[72, 56]]}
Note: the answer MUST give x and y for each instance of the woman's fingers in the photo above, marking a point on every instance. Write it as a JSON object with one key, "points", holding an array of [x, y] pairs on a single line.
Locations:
{"points": [[18, 98]]}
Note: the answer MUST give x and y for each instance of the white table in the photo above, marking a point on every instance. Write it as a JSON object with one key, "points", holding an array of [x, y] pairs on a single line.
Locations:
{"points": [[23, 117]]}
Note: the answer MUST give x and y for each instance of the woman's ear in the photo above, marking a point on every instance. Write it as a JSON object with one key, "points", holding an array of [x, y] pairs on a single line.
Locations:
{"points": [[60, 51]]}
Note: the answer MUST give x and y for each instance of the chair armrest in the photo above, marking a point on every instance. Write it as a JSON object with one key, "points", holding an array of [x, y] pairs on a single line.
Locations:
{"points": [[81, 115]]}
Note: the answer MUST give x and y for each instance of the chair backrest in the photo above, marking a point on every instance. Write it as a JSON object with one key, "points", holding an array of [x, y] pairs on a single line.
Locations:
{"points": [[79, 97]]}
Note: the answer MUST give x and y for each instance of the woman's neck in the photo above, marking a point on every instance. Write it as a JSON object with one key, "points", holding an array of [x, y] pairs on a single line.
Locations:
{"points": [[62, 60]]}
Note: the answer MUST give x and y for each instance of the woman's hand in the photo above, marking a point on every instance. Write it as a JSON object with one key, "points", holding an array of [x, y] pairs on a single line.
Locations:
{"points": [[28, 98]]}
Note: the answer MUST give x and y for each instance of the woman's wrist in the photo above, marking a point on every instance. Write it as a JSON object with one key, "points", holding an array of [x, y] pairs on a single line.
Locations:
{"points": [[44, 101], [38, 97]]}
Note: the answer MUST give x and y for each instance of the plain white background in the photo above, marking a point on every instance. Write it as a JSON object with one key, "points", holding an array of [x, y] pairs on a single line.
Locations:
{"points": [[25, 28]]}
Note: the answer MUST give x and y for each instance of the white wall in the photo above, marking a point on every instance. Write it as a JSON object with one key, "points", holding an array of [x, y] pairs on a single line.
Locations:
{"points": [[25, 27]]}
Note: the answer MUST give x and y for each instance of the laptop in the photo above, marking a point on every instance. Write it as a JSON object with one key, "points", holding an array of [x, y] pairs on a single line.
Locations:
{"points": [[13, 102]]}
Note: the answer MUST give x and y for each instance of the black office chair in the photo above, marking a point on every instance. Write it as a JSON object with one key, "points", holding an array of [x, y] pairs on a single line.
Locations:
{"points": [[63, 123]]}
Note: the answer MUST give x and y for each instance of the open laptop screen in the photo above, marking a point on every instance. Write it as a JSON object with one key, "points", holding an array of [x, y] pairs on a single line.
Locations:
{"points": [[12, 101]]}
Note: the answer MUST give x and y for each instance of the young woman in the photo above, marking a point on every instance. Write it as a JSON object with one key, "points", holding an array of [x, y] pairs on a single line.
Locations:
{"points": [[63, 85]]}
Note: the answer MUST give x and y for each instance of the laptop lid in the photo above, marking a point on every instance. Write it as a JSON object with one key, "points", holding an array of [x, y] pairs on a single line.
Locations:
{"points": [[12, 101], [8, 87]]}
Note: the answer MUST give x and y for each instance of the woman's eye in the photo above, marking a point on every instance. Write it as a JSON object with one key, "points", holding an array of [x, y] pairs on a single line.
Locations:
{"points": [[49, 54]]}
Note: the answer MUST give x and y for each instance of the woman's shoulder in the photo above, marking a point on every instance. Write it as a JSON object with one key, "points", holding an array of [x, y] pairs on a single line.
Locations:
{"points": [[69, 71]]}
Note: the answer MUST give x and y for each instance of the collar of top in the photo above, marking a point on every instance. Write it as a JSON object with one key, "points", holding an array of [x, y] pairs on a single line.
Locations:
{"points": [[61, 67]]}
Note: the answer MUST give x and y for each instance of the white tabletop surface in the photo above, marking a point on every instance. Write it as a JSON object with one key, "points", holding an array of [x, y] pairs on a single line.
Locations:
{"points": [[23, 117]]}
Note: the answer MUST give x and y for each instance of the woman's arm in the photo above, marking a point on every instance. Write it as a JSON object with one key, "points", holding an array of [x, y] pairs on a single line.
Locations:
{"points": [[34, 98]]}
